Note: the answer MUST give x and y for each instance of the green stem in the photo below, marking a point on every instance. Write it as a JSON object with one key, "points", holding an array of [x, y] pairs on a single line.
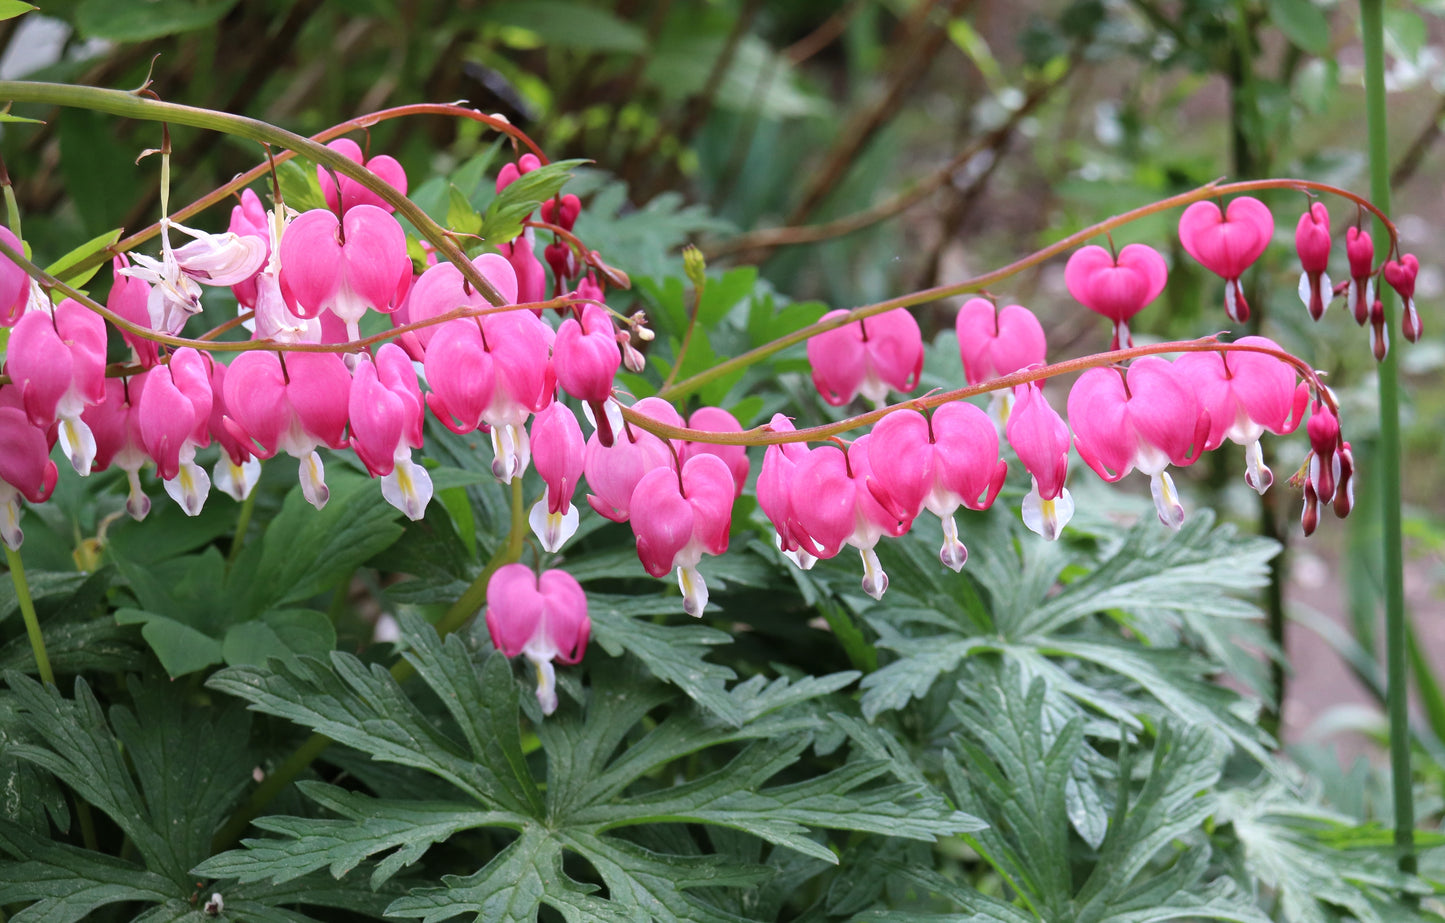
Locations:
{"points": [[1389, 469], [243, 522], [27, 611], [129, 105]]}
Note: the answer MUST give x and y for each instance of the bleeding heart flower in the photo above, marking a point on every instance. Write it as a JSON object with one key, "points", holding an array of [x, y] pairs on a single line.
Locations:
{"points": [[993, 343], [1147, 418], [867, 357], [613, 471], [1041, 439], [383, 167], [531, 277], [386, 410], [14, 283], [511, 172], [1228, 244], [57, 362], [717, 420], [679, 516], [1246, 395], [1312, 242], [1361, 291], [175, 415], [559, 453], [775, 494], [1401, 277], [115, 423], [1116, 287], [25, 466], [442, 288], [543, 620], [586, 359], [344, 266]]}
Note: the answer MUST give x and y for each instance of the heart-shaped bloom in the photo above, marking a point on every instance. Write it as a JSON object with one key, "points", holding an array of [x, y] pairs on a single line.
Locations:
{"points": [[677, 516], [559, 453], [176, 278], [1400, 274], [115, 424], [775, 494], [175, 416], [57, 362], [25, 466], [1147, 418], [543, 620], [344, 266], [1331, 468], [1361, 291], [868, 357], [562, 211], [1041, 439], [130, 297], [1227, 244], [352, 193], [586, 358], [1246, 394], [531, 277], [994, 342], [937, 463], [292, 409], [1312, 242], [238, 469], [1116, 287], [835, 506], [386, 410], [511, 172], [613, 471]]}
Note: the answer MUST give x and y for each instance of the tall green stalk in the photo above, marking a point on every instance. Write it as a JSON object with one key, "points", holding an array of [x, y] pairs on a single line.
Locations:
{"points": [[1389, 468], [27, 612]]}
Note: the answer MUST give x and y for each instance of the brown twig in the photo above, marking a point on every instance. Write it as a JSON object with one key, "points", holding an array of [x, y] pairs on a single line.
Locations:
{"points": [[1410, 161], [823, 36]]}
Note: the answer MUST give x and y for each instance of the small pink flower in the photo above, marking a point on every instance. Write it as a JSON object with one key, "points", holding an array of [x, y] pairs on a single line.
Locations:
{"points": [[511, 172], [175, 415], [1116, 287], [531, 277], [1246, 395], [115, 423], [868, 357], [717, 420], [562, 212], [1400, 274], [25, 466], [613, 471], [994, 342], [1312, 242], [1361, 290], [559, 453], [834, 506], [1331, 466], [344, 266], [129, 298], [292, 409], [1041, 439], [385, 409], [1228, 244], [679, 517], [238, 469], [58, 365], [775, 494], [937, 463], [1147, 418], [383, 167], [248, 219], [586, 359], [442, 288], [543, 620]]}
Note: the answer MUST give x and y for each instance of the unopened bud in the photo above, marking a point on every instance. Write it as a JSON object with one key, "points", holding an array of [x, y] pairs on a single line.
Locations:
{"points": [[1345, 493], [695, 265], [1410, 321], [1310, 516], [631, 358], [1379, 333]]}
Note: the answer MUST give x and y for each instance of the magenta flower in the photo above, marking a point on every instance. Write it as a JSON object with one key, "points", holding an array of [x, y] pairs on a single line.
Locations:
{"points": [[1117, 287], [1246, 394], [442, 288], [993, 343], [129, 297], [937, 463], [586, 359], [868, 357], [57, 362], [1400, 274], [294, 410], [1312, 242], [176, 278], [1360, 292], [775, 494], [531, 277], [344, 266], [1228, 244], [115, 423], [25, 466], [386, 413], [511, 172], [1041, 439], [543, 620], [677, 517], [559, 453], [613, 471], [14, 283], [1147, 418], [352, 193], [175, 416]]}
